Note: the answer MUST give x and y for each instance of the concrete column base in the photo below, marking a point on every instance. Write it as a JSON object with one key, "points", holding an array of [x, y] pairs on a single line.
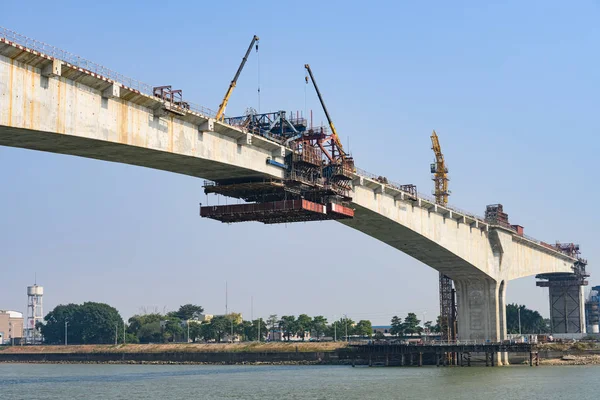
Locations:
{"points": [[481, 310]]}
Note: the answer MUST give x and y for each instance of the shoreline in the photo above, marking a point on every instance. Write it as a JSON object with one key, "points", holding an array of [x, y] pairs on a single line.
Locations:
{"points": [[273, 353]]}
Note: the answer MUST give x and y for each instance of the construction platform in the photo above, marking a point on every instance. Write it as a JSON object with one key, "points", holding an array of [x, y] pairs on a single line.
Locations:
{"points": [[440, 354], [276, 212]]}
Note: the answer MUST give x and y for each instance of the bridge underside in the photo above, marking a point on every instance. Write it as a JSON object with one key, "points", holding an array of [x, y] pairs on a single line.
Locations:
{"points": [[117, 152], [408, 241]]}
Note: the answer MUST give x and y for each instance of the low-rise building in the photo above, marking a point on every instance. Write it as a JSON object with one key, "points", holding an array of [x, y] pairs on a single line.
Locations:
{"points": [[11, 326]]}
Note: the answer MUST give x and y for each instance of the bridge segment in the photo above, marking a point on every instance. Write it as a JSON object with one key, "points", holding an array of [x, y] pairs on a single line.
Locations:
{"points": [[49, 104]]}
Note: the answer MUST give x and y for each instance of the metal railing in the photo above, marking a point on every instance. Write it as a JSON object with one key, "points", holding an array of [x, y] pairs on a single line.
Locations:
{"points": [[395, 185], [80, 62]]}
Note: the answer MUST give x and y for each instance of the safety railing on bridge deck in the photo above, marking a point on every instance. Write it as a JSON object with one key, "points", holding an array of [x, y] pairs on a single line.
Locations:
{"points": [[395, 185], [88, 65]]}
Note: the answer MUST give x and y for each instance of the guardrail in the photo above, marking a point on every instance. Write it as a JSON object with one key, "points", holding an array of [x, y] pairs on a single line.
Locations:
{"points": [[395, 185], [83, 63]]}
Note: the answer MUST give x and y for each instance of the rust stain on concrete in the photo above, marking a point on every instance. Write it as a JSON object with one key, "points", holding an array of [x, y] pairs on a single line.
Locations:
{"points": [[32, 76], [122, 121], [10, 91]]}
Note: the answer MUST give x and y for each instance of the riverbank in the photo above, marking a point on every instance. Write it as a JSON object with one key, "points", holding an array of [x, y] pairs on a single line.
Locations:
{"points": [[252, 347], [307, 353], [274, 353]]}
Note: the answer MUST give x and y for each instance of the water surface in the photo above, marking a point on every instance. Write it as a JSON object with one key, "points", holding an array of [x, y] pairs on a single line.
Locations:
{"points": [[72, 381]]}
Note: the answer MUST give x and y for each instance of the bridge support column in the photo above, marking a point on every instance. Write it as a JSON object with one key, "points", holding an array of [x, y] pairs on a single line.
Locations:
{"points": [[481, 309]]}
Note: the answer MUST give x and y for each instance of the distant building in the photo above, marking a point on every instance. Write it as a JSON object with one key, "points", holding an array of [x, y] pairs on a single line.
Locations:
{"points": [[202, 317], [385, 329], [278, 336], [11, 326]]}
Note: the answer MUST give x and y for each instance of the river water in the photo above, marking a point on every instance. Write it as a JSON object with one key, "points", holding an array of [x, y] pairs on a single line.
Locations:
{"points": [[72, 381]]}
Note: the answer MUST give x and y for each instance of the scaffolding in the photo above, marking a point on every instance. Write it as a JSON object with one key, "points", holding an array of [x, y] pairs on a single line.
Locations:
{"points": [[567, 308], [447, 308]]}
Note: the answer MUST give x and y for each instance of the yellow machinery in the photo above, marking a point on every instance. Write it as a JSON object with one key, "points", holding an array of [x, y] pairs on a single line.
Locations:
{"points": [[447, 293], [336, 139], [223, 105], [440, 172]]}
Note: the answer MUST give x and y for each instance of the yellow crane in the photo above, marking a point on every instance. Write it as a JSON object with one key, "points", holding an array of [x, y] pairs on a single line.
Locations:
{"points": [[440, 172], [447, 293], [336, 138], [223, 105]]}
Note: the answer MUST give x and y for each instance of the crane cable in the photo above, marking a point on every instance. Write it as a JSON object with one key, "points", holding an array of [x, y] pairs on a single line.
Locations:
{"points": [[258, 68], [306, 81]]}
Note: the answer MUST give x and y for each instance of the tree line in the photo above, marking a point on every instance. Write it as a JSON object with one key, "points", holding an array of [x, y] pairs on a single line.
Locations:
{"points": [[99, 323]]}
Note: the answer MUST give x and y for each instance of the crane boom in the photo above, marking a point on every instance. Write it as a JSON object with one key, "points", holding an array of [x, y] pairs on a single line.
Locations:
{"points": [[336, 138], [223, 105], [440, 172]]}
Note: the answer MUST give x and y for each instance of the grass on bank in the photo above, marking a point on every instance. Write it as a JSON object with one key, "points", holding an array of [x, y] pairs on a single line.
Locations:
{"points": [[251, 347]]}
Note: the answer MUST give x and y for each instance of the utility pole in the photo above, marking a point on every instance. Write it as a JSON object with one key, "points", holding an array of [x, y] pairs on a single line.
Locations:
{"points": [[124, 334], [259, 320], [334, 330], [66, 323], [188, 330], [346, 323], [519, 313]]}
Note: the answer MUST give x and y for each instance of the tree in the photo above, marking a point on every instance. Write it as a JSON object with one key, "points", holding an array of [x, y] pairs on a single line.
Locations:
{"points": [[173, 330], [427, 326], [207, 331], [397, 327], [411, 324], [88, 323], [303, 325], [137, 321], [287, 325], [363, 328], [195, 330], [438, 325], [319, 326], [188, 311], [219, 326], [251, 330], [150, 333], [531, 321], [379, 335]]}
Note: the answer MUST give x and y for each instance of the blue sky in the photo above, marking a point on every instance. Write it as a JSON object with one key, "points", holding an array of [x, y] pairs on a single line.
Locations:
{"points": [[511, 88]]}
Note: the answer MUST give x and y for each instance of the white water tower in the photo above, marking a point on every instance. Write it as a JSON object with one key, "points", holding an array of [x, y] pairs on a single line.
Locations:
{"points": [[35, 313]]}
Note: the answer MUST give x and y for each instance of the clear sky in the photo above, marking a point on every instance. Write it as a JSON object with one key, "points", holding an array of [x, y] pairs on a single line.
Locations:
{"points": [[510, 86]]}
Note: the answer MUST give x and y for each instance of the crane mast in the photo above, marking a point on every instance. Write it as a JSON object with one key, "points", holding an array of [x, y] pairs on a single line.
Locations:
{"points": [[221, 112], [446, 291], [336, 138]]}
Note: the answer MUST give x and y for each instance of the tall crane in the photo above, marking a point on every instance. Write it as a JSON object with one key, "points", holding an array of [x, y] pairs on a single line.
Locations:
{"points": [[440, 172], [441, 192], [223, 105], [336, 139]]}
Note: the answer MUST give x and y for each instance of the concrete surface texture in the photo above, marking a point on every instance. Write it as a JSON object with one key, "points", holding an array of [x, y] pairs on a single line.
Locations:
{"points": [[50, 105]]}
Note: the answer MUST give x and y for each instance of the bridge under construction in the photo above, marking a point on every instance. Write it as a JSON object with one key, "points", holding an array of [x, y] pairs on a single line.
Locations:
{"points": [[282, 167]]}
